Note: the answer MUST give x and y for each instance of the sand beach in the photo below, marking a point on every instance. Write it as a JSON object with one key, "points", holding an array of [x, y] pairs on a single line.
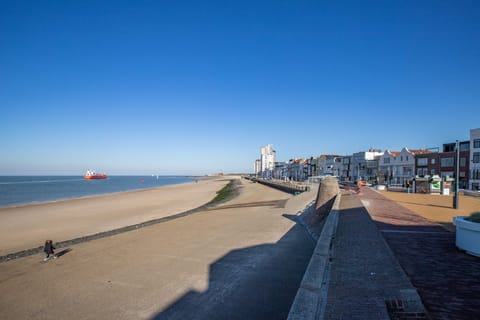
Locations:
{"points": [[242, 259], [28, 226]]}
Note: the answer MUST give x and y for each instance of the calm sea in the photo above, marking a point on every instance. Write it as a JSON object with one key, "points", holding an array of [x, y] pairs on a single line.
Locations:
{"points": [[16, 190]]}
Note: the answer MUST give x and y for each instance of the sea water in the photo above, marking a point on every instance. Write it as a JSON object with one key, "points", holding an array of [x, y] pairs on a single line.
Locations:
{"points": [[19, 190]]}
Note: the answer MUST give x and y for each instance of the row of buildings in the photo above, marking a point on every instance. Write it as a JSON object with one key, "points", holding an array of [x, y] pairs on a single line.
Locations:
{"points": [[384, 167]]}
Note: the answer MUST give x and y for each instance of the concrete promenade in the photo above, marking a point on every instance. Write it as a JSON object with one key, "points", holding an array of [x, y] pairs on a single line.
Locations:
{"points": [[365, 280], [384, 261]]}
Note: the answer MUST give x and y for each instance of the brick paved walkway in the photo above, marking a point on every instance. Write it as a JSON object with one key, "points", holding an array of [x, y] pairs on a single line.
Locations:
{"points": [[365, 280], [447, 279]]}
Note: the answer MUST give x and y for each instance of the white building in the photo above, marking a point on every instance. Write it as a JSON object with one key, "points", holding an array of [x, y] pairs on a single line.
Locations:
{"points": [[364, 165], [398, 167], [330, 165], [257, 167], [280, 171], [297, 169], [475, 159], [268, 158]]}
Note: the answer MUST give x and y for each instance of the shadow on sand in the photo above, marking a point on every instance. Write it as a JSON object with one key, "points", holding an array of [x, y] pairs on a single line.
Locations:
{"points": [[273, 204], [258, 282], [63, 252]]}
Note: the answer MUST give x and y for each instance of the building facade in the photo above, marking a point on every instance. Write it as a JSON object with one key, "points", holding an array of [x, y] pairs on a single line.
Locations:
{"points": [[448, 162], [474, 159], [364, 165], [268, 159], [257, 167], [443, 165], [281, 170], [330, 165], [398, 167], [297, 170], [346, 174]]}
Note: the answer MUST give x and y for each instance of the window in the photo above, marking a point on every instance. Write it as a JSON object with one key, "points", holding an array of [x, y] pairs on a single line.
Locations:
{"points": [[447, 162], [432, 172], [419, 171], [407, 158], [476, 174], [447, 174], [407, 171], [463, 161], [386, 160], [401, 158], [432, 161], [462, 174], [476, 143], [476, 157], [422, 161]]}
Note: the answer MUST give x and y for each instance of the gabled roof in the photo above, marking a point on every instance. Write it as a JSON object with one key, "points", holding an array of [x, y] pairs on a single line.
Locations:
{"points": [[392, 153], [324, 156], [419, 151], [297, 160]]}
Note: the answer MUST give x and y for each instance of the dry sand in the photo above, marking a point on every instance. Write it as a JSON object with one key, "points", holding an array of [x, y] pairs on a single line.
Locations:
{"points": [[138, 274], [27, 227], [437, 208]]}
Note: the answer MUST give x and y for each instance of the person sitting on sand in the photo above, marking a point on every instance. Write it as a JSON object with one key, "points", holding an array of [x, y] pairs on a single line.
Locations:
{"points": [[48, 249]]}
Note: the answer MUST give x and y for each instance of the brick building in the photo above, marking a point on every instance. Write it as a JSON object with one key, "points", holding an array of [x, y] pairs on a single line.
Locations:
{"points": [[443, 163]]}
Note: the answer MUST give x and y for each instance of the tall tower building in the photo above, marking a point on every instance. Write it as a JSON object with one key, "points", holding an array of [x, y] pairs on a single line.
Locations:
{"points": [[268, 158], [257, 167]]}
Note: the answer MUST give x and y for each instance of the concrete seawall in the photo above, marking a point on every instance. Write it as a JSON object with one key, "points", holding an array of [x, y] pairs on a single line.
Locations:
{"points": [[311, 297], [285, 187]]}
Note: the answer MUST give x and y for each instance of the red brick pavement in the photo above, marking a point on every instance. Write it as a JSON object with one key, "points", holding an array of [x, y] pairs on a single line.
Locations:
{"points": [[447, 279]]}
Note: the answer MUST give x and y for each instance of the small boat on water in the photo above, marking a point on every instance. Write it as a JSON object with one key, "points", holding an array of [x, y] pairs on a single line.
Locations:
{"points": [[91, 174]]}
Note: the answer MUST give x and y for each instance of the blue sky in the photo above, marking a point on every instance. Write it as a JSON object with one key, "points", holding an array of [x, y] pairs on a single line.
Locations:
{"points": [[180, 87]]}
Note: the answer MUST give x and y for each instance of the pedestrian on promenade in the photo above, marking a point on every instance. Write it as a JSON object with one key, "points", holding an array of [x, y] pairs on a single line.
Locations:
{"points": [[48, 249]]}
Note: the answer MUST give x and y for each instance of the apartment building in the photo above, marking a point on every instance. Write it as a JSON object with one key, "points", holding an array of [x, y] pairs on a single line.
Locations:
{"points": [[398, 167], [330, 165], [257, 167], [443, 163], [296, 169], [281, 170], [268, 158], [346, 173], [474, 159], [364, 165], [448, 162]]}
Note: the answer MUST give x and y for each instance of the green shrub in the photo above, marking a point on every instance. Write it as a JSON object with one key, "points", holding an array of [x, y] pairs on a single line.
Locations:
{"points": [[474, 217], [226, 193]]}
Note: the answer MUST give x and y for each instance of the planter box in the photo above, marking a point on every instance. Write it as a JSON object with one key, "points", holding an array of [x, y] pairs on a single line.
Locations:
{"points": [[468, 235]]}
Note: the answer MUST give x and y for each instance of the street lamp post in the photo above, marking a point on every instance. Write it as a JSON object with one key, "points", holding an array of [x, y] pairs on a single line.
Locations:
{"points": [[457, 173]]}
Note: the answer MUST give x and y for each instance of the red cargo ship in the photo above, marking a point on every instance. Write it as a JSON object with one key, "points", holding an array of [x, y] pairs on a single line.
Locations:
{"points": [[91, 174]]}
